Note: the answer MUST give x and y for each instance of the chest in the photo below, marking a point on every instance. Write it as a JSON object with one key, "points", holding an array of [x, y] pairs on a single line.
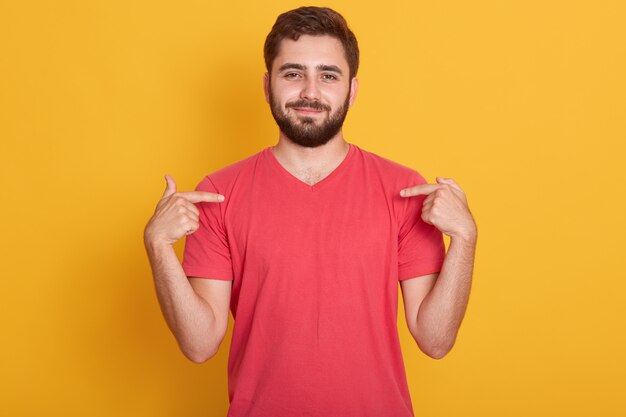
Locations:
{"points": [[311, 176], [310, 228]]}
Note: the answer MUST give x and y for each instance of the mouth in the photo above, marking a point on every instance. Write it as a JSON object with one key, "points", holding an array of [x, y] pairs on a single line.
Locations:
{"points": [[307, 110]]}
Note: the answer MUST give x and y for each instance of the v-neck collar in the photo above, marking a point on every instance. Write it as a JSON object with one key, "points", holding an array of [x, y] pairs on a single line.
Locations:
{"points": [[269, 154]]}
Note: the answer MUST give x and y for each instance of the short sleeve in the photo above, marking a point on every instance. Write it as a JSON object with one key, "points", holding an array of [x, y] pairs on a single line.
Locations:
{"points": [[421, 249], [206, 253]]}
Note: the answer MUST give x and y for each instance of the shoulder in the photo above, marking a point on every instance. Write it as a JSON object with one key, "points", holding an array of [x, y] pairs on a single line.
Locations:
{"points": [[391, 172], [393, 177], [224, 178]]}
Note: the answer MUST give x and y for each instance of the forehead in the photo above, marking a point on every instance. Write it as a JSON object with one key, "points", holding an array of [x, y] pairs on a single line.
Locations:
{"points": [[312, 51]]}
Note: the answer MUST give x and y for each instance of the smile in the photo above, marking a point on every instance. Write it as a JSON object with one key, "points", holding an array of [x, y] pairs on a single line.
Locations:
{"points": [[307, 111]]}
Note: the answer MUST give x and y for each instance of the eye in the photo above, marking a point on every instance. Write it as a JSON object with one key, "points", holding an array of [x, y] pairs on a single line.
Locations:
{"points": [[290, 74], [329, 77]]}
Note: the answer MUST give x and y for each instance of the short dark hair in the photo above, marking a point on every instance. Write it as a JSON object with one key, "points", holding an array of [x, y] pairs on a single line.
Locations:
{"points": [[312, 21]]}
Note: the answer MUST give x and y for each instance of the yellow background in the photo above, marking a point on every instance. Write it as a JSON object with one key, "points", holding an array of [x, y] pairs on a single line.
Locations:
{"points": [[523, 103]]}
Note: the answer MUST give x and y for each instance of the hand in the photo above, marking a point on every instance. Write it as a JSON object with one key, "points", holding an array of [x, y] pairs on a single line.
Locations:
{"points": [[445, 207], [175, 214]]}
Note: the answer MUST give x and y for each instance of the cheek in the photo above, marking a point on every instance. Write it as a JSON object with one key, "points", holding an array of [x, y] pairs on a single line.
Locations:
{"points": [[285, 89], [339, 94], [284, 97]]}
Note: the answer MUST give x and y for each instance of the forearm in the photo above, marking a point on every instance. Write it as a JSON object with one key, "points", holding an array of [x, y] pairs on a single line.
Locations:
{"points": [[442, 310], [189, 316]]}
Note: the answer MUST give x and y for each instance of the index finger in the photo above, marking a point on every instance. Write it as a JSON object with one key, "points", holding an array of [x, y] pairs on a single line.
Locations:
{"points": [[199, 196], [422, 189]]}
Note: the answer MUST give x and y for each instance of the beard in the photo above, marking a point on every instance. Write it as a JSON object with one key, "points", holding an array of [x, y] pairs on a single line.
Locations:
{"points": [[305, 131]]}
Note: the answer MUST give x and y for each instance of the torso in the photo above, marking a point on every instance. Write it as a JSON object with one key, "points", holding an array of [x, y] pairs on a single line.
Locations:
{"points": [[315, 256]]}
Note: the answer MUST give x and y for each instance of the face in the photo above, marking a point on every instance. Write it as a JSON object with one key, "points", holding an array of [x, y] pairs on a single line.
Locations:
{"points": [[309, 90]]}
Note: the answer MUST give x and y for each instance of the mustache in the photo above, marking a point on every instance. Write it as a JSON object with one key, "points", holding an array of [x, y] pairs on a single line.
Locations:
{"points": [[304, 104]]}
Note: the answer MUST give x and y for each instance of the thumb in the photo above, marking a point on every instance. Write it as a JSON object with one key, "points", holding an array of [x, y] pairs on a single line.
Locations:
{"points": [[449, 181], [171, 186]]}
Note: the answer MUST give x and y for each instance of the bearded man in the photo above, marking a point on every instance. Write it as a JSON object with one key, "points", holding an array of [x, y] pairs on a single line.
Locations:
{"points": [[306, 242]]}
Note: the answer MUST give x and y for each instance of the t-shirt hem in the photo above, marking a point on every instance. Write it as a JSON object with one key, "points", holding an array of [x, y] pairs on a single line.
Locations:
{"points": [[426, 268], [191, 271]]}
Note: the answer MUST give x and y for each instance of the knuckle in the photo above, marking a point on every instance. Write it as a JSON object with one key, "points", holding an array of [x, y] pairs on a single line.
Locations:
{"points": [[178, 199]]}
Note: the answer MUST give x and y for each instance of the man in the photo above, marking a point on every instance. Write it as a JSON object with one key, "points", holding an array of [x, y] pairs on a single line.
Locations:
{"points": [[306, 241]]}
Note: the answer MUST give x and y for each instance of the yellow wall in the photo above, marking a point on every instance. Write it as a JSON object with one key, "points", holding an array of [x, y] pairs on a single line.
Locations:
{"points": [[522, 103]]}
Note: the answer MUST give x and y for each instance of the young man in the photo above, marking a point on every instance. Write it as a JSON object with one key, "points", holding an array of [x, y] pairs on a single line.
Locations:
{"points": [[305, 243]]}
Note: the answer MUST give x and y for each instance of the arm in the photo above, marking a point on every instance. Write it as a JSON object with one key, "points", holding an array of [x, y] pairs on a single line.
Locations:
{"points": [[196, 317], [442, 301], [437, 303], [186, 304]]}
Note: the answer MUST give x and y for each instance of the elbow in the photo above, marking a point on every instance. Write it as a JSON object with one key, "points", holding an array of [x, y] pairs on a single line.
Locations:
{"points": [[199, 356], [198, 359], [438, 354], [435, 351], [200, 351]]}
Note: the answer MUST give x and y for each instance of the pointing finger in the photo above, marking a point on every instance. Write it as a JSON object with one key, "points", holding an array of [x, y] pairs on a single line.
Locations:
{"points": [[199, 196], [422, 189]]}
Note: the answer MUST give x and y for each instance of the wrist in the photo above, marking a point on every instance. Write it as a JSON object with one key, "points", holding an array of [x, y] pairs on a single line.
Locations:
{"points": [[154, 244], [467, 236]]}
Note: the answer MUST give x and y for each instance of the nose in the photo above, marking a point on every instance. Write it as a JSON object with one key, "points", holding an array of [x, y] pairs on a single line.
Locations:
{"points": [[310, 89]]}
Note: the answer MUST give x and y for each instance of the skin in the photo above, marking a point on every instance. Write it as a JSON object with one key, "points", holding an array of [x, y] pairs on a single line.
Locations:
{"points": [[197, 309], [435, 304], [329, 88]]}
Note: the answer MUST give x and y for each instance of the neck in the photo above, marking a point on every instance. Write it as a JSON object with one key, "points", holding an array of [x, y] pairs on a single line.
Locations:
{"points": [[298, 158]]}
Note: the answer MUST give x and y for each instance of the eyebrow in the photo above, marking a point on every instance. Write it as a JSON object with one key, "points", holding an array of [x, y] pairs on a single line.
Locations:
{"points": [[321, 67]]}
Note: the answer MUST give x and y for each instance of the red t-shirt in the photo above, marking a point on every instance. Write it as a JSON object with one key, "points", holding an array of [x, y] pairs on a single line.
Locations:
{"points": [[315, 273]]}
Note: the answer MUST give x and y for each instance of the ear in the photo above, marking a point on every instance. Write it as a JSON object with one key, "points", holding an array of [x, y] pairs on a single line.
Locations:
{"points": [[354, 87], [266, 86]]}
